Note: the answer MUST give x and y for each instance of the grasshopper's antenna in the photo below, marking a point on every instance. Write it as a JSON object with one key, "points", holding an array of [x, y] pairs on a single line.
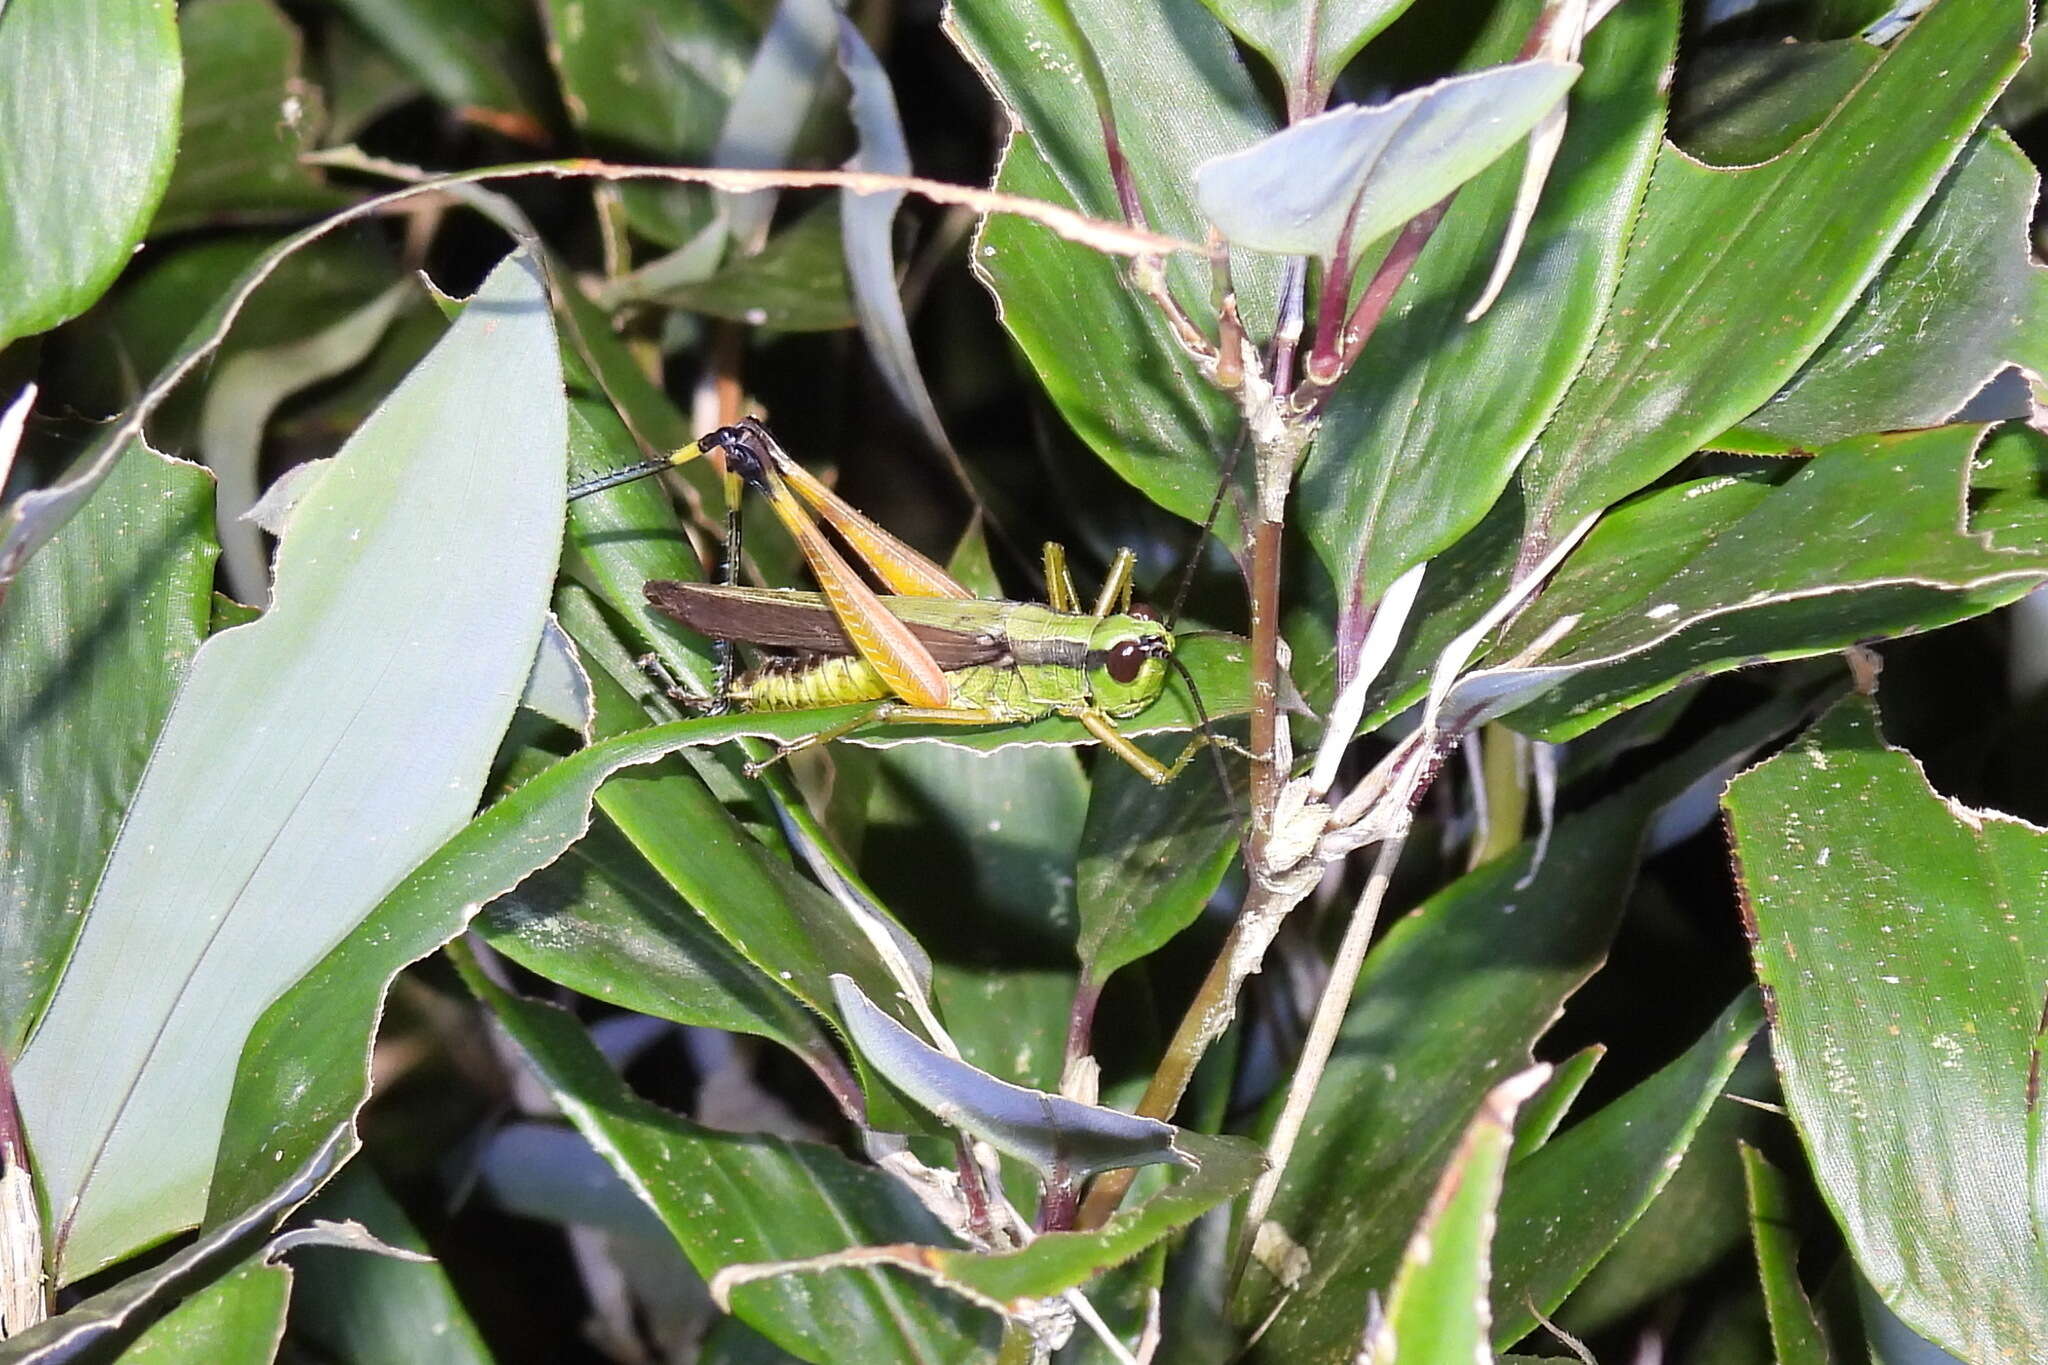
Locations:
{"points": [[597, 483], [1187, 573], [1213, 743]]}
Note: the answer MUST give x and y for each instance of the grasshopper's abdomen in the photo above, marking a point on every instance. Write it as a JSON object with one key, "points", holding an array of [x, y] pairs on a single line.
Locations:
{"points": [[800, 685]]}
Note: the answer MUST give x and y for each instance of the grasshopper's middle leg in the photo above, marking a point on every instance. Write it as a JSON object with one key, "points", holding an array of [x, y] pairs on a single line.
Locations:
{"points": [[885, 713], [1148, 767]]}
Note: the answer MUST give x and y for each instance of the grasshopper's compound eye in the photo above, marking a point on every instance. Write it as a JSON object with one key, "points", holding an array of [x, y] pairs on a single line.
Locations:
{"points": [[1125, 660], [1143, 611]]}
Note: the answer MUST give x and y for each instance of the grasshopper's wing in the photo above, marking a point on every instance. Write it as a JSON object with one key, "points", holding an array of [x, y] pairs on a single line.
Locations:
{"points": [[779, 618]]}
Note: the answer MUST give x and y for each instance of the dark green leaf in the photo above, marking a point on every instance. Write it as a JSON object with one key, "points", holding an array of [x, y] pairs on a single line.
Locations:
{"points": [[1744, 103], [1103, 353], [1405, 461], [1796, 1334], [1893, 935], [88, 128], [310, 761], [599, 921], [1960, 300], [236, 1320], [363, 1308], [1150, 858], [94, 641], [481, 58], [796, 283], [1437, 1307], [1866, 541], [1706, 326], [1569, 1203], [247, 117], [730, 1198], [1308, 44], [1546, 1109]]}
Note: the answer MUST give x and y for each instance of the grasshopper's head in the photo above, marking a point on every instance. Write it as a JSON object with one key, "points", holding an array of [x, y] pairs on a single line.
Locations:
{"points": [[1127, 660]]}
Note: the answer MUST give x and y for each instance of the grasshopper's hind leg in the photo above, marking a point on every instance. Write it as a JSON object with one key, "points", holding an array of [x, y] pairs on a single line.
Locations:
{"points": [[883, 713]]}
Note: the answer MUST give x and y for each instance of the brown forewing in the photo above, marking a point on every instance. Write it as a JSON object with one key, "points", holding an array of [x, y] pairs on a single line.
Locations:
{"points": [[800, 621]]}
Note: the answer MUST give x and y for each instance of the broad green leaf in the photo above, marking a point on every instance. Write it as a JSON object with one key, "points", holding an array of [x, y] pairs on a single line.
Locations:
{"points": [[361, 1308], [1894, 939], [731, 1342], [236, 1320], [600, 921], [1054, 1134], [729, 1198], [1055, 1262], [94, 641], [363, 82], [648, 79], [481, 58], [1567, 1204], [1866, 541], [773, 102], [1103, 353], [1308, 44], [1437, 1309], [1405, 462], [88, 128], [247, 117], [1705, 326], [311, 760], [1150, 858], [98, 1327], [1796, 1334], [1337, 182], [1451, 999]]}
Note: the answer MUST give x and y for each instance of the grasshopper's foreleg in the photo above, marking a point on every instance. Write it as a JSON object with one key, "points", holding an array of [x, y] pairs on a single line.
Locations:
{"points": [[1148, 767], [884, 713]]}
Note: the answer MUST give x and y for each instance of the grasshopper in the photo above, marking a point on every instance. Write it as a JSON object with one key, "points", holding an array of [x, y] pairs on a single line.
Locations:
{"points": [[927, 652]]}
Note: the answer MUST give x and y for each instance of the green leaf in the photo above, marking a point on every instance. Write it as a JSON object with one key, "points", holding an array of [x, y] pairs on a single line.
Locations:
{"points": [[322, 1027], [247, 388], [1308, 44], [1437, 1308], [1054, 1262], [1893, 937], [478, 57], [236, 1320], [1405, 462], [1796, 1334], [1335, 183], [1054, 1134], [1960, 300], [1706, 326], [731, 1197], [1454, 995], [649, 79], [1104, 354], [600, 921], [98, 1326], [1567, 1204], [248, 116], [311, 760], [796, 283], [1716, 574], [94, 641], [1744, 103], [88, 128], [357, 1307], [1150, 858], [1546, 1109], [1451, 999]]}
